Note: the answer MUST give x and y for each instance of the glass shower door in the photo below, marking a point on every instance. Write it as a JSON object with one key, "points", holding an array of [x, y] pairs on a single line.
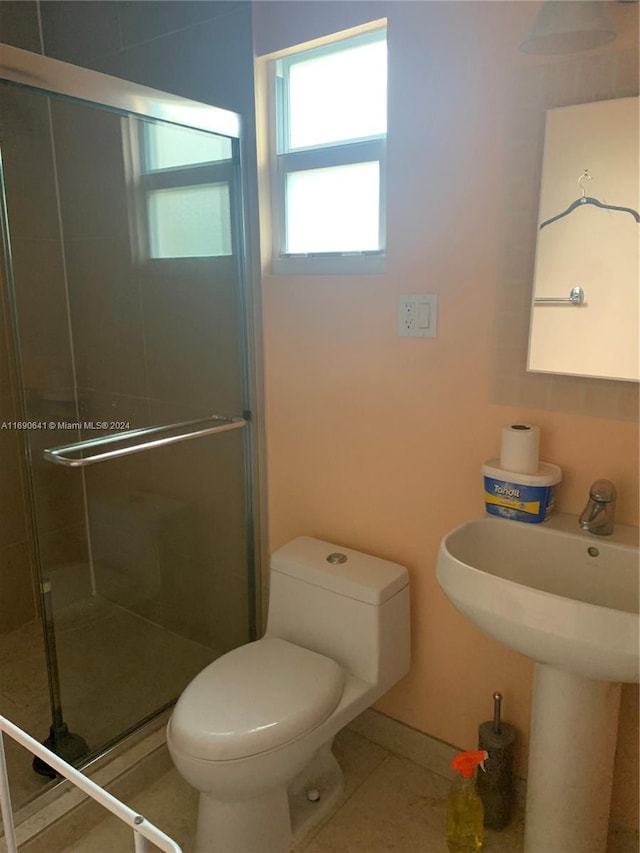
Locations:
{"points": [[126, 269]]}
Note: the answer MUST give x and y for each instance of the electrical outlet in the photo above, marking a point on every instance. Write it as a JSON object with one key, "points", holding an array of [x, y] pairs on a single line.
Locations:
{"points": [[417, 314], [409, 315]]}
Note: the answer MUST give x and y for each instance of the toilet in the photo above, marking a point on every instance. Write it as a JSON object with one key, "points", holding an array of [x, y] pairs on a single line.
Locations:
{"points": [[253, 731]]}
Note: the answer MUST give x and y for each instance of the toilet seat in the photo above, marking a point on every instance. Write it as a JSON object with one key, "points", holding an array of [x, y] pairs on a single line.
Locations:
{"points": [[255, 698]]}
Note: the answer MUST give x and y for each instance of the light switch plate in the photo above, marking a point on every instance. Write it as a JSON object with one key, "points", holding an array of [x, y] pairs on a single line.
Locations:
{"points": [[417, 315]]}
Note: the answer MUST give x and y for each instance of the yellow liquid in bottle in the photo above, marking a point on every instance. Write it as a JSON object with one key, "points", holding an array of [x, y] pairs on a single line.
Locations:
{"points": [[465, 816]]}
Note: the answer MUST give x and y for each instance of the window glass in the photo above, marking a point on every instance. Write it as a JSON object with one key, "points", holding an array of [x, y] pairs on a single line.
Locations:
{"points": [[335, 209], [168, 146], [190, 221], [338, 96]]}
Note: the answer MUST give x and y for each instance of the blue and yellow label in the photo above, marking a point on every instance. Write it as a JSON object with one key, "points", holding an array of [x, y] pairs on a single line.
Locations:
{"points": [[517, 501]]}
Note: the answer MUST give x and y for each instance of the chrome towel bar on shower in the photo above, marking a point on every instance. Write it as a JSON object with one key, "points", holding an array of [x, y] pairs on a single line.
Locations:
{"points": [[576, 297], [63, 455]]}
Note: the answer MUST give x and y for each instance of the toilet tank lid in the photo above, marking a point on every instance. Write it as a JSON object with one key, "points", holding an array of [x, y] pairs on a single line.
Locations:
{"points": [[361, 576]]}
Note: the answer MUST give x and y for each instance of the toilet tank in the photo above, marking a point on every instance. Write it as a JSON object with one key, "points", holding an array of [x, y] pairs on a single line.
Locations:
{"points": [[349, 606]]}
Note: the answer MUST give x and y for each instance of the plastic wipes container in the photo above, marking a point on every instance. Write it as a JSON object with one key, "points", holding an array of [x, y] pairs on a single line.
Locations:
{"points": [[521, 497]]}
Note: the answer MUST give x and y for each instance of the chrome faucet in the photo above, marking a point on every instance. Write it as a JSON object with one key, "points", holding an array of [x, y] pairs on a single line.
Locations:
{"points": [[599, 514]]}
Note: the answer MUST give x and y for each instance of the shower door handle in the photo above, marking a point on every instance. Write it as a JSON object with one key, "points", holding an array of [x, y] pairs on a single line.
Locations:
{"points": [[186, 430]]}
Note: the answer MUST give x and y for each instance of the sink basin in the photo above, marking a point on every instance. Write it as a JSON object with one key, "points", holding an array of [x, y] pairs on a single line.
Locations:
{"points": [[550, 591]]}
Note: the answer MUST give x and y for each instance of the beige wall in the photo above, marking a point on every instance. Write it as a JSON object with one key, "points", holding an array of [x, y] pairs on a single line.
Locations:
{"points": [[376, 441]]}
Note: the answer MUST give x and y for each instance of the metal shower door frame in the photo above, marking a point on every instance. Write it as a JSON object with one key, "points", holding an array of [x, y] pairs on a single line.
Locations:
{"points": [[61, 78], [53, 77]]}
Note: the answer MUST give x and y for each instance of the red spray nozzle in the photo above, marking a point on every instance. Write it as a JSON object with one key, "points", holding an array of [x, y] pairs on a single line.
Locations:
{"points": [[466, 762]]}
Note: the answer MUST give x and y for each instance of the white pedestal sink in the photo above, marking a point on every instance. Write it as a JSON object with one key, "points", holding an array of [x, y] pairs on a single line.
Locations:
{"points": [[569, 600]]}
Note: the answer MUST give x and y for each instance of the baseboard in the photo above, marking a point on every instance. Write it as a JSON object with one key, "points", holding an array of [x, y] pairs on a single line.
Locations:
{"points": [[427, 751]]}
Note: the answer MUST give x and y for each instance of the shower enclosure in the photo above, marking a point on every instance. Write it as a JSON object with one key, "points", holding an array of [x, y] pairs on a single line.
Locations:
{"points": [[125, 289]]}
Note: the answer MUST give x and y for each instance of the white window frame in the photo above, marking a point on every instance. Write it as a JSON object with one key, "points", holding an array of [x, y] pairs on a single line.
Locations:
{"points": [[284, 161]]}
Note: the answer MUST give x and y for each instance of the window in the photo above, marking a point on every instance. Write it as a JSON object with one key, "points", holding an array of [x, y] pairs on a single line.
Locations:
{"points": [[330, 127], [185, 198]]}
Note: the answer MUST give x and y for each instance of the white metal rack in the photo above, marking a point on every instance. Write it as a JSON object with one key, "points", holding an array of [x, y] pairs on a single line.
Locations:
{"points": [[143, 831]]}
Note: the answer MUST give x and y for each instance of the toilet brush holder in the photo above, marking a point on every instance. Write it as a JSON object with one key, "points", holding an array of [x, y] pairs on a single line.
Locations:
{"points": [[495, 784]]}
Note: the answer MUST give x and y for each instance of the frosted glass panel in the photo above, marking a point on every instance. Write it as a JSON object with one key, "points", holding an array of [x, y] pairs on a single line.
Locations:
{"points": [[190, 222], [334, 209], [338, 96], [168, 146]]}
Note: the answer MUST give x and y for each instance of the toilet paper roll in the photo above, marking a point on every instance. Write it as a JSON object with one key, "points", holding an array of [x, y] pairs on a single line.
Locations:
{"points": [[519, 448]]}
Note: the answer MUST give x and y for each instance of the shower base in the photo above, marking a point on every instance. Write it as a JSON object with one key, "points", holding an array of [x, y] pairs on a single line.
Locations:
{"points": [[116, 669]]}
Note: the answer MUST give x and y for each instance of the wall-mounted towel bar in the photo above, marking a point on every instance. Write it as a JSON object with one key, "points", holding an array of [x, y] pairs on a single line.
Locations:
{"points": [[64, 455], [576, 297]]}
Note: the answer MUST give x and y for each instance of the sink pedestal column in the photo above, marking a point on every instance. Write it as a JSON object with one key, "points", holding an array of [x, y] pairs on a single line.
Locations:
{"points": [[574, 726]]}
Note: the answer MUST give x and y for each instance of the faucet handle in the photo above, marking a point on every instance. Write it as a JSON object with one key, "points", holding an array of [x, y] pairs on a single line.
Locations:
{"points": [[603, 491]]}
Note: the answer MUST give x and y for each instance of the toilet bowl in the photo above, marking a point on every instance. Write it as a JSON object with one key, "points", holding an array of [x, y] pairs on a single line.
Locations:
{"points": [[253, 731]]}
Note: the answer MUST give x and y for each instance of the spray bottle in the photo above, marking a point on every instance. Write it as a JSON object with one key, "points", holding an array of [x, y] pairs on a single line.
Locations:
{"points": [[465, 813]]}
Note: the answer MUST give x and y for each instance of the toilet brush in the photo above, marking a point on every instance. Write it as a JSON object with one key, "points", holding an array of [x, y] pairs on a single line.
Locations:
{"points": [[495, 785]]}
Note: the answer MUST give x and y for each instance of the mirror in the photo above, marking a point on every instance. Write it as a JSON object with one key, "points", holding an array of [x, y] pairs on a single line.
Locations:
{"points": [[584, 313]]}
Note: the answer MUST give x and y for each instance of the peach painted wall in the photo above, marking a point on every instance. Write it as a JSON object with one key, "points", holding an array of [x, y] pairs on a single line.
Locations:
{"points": [[375, 441]]}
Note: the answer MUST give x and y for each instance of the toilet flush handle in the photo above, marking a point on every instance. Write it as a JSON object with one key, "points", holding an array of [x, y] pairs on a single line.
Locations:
{"points": [[337, 557]]}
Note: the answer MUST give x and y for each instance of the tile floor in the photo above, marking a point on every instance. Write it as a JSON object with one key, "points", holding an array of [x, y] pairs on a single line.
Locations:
{"points": [[116, 668], [389, 804]]}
